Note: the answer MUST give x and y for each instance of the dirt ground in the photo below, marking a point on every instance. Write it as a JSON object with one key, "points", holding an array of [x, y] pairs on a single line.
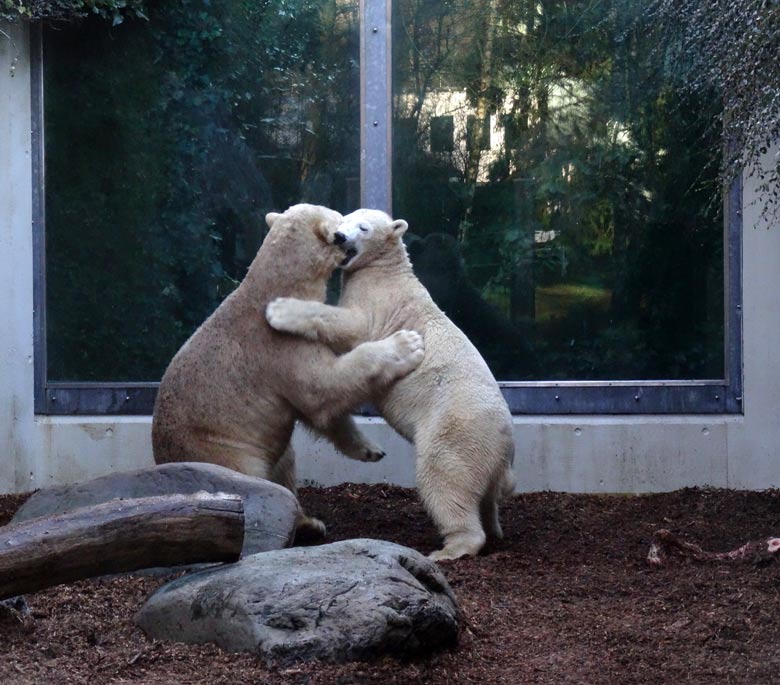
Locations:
{"points": [[567, 597]]}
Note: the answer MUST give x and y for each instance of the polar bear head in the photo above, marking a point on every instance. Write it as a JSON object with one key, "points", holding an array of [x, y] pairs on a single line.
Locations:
{"points": [[310, 233], [368, 234]]}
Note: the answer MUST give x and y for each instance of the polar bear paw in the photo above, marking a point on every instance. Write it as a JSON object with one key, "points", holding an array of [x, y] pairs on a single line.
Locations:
{"points": [[310, 527], [372, 453], [406, 352], [364, 450], [458, 545], [289, 315]]}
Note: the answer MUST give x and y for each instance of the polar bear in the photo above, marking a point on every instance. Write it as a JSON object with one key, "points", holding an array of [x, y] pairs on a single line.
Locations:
{"points": [[232, 393], [450, 407]]}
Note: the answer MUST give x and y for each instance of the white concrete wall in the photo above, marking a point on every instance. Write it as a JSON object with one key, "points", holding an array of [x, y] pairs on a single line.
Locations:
{"points": [[17, 444], [753, 447], [578, 454]]}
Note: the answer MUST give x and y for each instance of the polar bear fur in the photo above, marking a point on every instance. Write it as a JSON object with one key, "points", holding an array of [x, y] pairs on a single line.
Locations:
{"points": [[450, 407], [233, 392]]}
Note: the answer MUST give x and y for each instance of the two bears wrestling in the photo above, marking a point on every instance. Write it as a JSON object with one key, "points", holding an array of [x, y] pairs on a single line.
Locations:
{"points": [[273, 353]]}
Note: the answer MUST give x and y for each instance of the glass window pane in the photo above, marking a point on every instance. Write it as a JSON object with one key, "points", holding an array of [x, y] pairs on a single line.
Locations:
{"points": [[166, 144], [573, 229]]}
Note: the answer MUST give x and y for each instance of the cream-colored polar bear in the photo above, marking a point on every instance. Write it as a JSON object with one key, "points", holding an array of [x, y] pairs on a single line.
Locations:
{"points": [[233, 392], [450, 407]]}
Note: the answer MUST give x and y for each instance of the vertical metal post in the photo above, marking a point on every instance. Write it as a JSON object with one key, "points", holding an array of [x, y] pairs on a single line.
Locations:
{"points": [[732, 251], [375, 107], [39, 220]]}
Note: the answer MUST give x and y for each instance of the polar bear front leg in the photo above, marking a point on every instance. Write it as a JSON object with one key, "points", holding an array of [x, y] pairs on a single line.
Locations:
{"points": [[339, 328], [391, 358], [347, 438], [290, 315], [327, 392]]}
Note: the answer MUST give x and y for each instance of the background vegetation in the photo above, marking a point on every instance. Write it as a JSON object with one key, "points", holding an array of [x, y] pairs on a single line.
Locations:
{"points": [[168, 140], [733, 46], [69, 10], [592, 224]]}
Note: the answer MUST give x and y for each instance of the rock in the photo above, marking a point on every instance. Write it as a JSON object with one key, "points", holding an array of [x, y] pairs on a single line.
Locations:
{"points": [[16, 606], [270, 510], [345, 601]]}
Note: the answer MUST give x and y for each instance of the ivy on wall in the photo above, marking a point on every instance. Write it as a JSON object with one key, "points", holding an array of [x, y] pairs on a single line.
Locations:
{"points": [[65, 10]]}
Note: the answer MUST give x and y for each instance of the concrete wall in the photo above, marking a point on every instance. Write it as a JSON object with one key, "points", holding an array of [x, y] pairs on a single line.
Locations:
{"points": [[578, 454], [17, 430]]}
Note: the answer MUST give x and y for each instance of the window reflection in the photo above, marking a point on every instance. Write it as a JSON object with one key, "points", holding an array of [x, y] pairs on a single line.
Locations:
{"points": [[166, 144], [560, 186]]}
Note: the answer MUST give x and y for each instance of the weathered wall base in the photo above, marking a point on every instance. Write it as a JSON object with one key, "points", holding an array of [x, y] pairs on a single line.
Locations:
{"points": [[592, 454]]}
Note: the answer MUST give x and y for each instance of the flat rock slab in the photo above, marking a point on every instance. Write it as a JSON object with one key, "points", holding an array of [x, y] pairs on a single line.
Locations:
{"points": [[345, 601], [270, 510]]}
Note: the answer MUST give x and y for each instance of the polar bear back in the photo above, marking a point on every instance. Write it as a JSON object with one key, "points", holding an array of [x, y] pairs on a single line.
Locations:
{"points": [[225, 394]]}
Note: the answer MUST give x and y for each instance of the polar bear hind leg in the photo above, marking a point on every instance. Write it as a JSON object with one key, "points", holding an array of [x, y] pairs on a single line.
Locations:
{"points": [[463, 472], [461, 529], [489, 516], [452, 502], [502, 488], [283, 473]]}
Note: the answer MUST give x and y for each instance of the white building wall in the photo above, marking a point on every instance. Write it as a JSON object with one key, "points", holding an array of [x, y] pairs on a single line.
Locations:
{"points": [[576, 454], [18, 451], [753, 447]]}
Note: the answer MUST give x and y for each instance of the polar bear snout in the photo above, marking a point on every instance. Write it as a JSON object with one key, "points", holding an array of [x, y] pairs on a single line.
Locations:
{"points": [[347, 246]]}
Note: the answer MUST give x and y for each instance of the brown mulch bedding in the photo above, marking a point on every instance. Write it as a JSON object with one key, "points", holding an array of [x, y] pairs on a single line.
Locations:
{"points": [[566, 598]]}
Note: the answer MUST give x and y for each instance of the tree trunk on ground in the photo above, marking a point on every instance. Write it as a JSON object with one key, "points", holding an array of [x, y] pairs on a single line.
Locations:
{"points": [[120, 536]]}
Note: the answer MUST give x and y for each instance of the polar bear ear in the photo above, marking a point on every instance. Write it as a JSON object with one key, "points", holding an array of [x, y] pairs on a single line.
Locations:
{"points": [[271, 217], [322, 232], [399, 227]]}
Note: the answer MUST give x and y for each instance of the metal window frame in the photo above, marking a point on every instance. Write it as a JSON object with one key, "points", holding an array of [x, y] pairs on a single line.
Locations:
{"points": [[669, 397]]}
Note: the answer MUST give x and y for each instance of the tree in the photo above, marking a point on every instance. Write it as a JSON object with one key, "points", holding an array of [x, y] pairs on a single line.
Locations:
{"points": [[167, 141], [603, 169], [731, 47]]}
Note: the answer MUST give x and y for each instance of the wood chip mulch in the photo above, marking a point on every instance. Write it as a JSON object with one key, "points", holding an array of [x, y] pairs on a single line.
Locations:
{"points": [[567, 597]]}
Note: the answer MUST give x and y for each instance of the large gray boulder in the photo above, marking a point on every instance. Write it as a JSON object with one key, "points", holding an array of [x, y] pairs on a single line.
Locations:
{"points": [[270, 510], [344, 601]]}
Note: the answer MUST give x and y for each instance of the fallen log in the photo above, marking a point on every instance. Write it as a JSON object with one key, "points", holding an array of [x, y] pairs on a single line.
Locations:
{"points": [[667, 544], [119, 536]]}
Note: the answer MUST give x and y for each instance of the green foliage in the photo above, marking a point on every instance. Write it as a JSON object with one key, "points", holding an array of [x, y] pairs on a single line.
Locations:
{"points": [[607, 178], [68, 10], [732, 47], [168, 140], [166, 143]]}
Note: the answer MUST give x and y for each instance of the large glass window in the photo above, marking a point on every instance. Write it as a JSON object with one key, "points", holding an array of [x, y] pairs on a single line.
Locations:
{"points": [[166, 144], [561, 190], [571, 222]]}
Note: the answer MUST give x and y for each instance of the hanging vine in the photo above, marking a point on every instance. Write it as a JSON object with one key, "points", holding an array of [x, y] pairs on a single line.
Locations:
{"points": [[732, 47]]}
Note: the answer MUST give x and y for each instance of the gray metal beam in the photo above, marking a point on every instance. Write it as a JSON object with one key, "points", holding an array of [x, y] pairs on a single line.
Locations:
{"points": [[375, 111]]}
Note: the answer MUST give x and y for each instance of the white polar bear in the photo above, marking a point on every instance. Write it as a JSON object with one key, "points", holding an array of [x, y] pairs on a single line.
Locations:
{"points": [[233, 392], [450, 407]]}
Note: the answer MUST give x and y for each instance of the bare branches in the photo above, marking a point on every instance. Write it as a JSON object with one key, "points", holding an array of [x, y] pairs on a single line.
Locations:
{"points": [[732, 48]]}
